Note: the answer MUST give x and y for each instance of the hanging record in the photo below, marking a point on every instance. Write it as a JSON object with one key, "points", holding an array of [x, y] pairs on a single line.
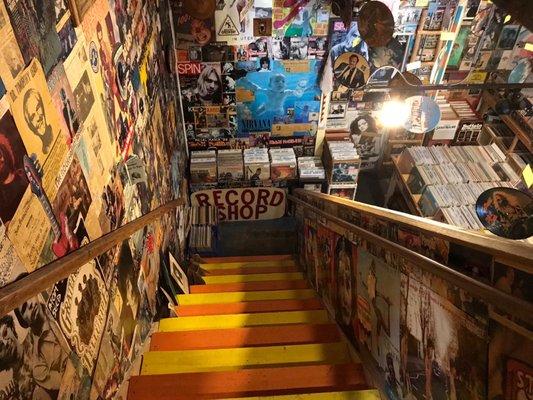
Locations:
{"points": [[521, 71], [376, 24], [424, 114], [506, 212], [351, 70], [408, 85]]}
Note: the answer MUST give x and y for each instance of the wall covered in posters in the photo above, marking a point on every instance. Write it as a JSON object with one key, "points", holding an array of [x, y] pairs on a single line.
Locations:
{"points": [[90, 139], [427, 337]]}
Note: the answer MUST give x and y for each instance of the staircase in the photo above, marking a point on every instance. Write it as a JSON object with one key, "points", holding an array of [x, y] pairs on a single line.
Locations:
{"points": [[256, 329]]}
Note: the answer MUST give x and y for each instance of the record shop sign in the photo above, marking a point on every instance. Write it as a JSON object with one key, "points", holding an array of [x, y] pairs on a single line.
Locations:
{"points": [[244, 204]]}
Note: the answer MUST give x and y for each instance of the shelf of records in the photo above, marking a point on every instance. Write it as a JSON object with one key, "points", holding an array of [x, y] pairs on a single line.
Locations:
{"points": [[253, 167], [202, 235], [446, 181]]}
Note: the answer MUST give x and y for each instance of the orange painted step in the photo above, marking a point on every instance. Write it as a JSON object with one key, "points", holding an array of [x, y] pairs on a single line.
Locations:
{"points": [[245, 337], [248, 307], [254, 270], [247, 382], [249, 286], [214, 260]]}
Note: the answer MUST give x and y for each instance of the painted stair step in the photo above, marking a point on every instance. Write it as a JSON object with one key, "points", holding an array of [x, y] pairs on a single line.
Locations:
{"points": [[249, 286], [245, 337], [252, 270], [248, 382], [235, 297], [248, 264], [370, 394], [214, 260], [248, 307], [242, 320], [175, 362], [280, 276]]}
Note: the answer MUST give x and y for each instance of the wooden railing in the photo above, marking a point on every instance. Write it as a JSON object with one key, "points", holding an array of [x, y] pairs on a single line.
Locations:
{"points": [[16, 293], [517, 254]]}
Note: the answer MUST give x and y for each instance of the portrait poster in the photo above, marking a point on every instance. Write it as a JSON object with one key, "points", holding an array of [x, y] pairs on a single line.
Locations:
{"points": [[444, 350], [79, 304], [378, 312], [33, 359], [38, 123], [346, 270], [34, 24], [196, 30], [270, 97], [13, 181], [325, 267], [11, 60]]}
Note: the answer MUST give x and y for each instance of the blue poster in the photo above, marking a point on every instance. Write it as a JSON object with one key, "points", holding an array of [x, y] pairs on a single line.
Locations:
{"points": [[278, 96]]}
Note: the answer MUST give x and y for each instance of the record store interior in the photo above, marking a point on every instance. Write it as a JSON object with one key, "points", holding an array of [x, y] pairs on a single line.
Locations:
{"points": [[266, 199]]}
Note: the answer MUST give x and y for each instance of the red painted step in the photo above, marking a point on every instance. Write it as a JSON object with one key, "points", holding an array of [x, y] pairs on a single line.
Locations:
{"points": [[245, 337], [214, 260], [249, 286], [254, 270], [248, 382], [248, 307]]}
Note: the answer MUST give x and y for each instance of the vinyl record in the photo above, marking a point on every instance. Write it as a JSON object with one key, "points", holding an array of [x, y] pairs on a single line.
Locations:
{"points": [[200, 9], [351, 70], [424, 114], [376, 24], [408, 88], [521, 71], [506, 212]]}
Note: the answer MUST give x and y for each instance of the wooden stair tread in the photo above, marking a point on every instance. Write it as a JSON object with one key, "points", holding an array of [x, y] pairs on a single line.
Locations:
{"points": [[248, 264], [369, 394], [248, 307], [249, 286], [172, 362], [245, 337], [248, 382], [252, 270], [234, 297], [237, 278], [241, 320], [214, 260]]}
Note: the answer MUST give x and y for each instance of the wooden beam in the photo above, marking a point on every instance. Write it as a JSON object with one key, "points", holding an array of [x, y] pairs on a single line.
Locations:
{"points": [[16, 293]]}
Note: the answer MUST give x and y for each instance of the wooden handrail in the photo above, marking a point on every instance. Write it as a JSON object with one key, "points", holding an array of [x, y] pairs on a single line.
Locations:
{"points": [[518, 254], [16, 293], [502, 301]]}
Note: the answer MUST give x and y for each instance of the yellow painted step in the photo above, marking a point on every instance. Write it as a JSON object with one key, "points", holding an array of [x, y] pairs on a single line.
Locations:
{"points": [[351, 395], [281, 276], [248, 264], [241, 320], [175, 362], [235, 297]]}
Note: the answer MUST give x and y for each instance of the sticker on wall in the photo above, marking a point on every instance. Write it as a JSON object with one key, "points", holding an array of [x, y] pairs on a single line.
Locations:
{"points": [[424, 114], [262, 26], [521, 72], [506, 212], [234, 22], [376, 24], [351, 70]]}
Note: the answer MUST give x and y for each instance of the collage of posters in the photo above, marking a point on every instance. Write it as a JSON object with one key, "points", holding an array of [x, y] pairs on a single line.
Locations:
{"points": [[88, 131]]}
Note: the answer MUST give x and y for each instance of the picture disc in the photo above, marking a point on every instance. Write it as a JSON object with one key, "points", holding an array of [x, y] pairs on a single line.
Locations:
{"points": [[351, 70], [506, 212], [520, 72], [424, 114], [376, 24]]}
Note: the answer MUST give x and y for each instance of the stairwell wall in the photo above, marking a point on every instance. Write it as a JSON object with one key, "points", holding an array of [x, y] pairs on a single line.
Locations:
{"points": [[90, 138]]}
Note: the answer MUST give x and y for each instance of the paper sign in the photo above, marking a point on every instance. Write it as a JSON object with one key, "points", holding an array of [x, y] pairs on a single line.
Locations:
{"points": [[243, 204]]}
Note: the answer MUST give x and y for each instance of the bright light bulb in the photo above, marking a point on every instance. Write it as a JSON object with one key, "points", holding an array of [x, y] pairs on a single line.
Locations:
{"points": [[394, 113]]}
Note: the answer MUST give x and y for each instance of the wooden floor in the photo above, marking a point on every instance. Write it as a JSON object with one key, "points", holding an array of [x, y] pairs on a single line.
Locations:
{"points": [[255, 330]]}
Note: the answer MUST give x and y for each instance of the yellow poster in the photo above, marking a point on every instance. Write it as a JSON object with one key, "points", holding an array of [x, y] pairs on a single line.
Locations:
{"points": [[11, 61]]}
